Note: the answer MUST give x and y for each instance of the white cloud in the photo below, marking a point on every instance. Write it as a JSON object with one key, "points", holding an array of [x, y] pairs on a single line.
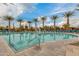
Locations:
{"points": [[73, 22], [63, 8], [17, 9], [14, 9]]}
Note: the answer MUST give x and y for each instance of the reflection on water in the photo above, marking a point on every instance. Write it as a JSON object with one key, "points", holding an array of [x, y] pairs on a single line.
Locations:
{"points": [[9, 38], [22, 40], [43, 36], [54, 37]]}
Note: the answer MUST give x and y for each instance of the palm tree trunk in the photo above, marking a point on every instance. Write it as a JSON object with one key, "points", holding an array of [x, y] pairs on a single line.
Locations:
{"points": [[20, 24], [9, 25], [13, 27], [43, 24], [35, 25], [29, 25], [68, 21], [54, 24]]}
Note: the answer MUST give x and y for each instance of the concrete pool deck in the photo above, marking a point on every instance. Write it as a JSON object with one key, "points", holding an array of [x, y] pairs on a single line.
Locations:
{"points": [[5, 50], [48, 49], [56, 48]]}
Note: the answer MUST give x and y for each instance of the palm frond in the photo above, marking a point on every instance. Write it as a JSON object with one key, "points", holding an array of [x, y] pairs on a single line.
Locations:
{"points": [[43, 18], [8, 18], [68, 14], [54, 17]]}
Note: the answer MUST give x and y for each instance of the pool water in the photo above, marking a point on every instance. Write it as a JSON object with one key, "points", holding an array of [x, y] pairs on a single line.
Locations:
{"points": [[20, 41]]}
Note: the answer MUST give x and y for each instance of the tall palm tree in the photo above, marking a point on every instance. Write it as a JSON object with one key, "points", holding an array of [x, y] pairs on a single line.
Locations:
{"points": [[20, 22], [43, 19], [9, 19], [54, 18], [68, 15], [13, 26], [35, 21], [29, 22]]}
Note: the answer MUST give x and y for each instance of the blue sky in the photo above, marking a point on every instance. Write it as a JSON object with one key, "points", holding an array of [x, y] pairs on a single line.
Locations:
{"points": [[29, 11], [46, 9]]}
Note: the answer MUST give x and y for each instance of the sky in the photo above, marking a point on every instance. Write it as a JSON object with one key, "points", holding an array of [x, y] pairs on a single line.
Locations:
{"points": [[29, 11]]}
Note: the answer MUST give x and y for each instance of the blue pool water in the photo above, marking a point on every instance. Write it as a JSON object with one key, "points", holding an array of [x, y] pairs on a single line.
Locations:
{"points": [[20, 41]]}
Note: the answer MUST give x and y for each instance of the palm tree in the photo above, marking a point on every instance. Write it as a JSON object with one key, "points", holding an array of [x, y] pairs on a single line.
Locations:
{"points": [[13, 26], [43, 19], [9, 19], [29, 22], [68, 15], [35, 21], [54, 18], [20, 22]]}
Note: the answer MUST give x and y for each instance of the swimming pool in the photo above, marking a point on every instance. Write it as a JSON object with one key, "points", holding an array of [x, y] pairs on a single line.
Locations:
{"points": [[22, 40]]}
